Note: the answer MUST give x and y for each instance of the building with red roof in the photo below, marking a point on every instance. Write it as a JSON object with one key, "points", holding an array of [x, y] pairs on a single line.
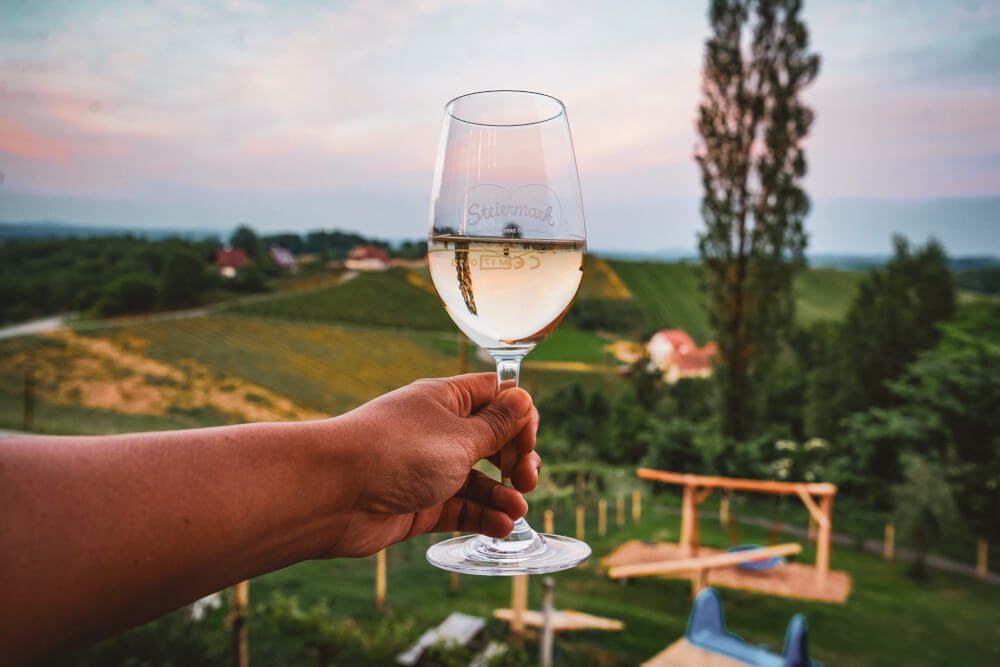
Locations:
{"points": [[367, 258], [230, 260], [674, 353]]}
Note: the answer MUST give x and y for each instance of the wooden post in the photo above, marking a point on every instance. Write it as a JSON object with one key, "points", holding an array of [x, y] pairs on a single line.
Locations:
{"points": [[982, 561], [238, 619], [579, 523], [812, 528], [775, 533], [699, 581], [454, 575], [549, 522], [724, 511], [734, 531], [380, 580], [823, 543], [620, 511], [889, 548], [545, 646], [28, 420], [463, 354], [518, 603], [636, 505], [602, 518], [689, 519]]}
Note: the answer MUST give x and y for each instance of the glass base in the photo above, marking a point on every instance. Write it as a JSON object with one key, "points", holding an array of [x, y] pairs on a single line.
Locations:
{"points": [[522, 552]]}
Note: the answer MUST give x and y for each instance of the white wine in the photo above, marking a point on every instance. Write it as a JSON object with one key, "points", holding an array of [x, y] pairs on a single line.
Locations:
{"points": [[504, 292]]}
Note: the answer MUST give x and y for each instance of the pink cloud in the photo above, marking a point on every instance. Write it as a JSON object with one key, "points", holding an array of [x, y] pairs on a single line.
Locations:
{"points": [[19, 140]]}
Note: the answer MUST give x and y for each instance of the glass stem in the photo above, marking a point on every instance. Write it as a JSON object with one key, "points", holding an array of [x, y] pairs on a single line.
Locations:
{"points": [[508, 374]]}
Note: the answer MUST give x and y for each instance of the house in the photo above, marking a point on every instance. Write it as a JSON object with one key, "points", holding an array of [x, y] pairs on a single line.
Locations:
{"points": [[367, 258], [229, 260], [672, 352], [282, 258]]}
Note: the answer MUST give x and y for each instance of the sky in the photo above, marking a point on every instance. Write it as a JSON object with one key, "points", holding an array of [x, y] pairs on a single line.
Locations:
{"points": [[298, 115]]}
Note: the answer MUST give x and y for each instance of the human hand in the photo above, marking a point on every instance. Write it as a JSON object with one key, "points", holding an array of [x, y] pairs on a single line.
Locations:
{"points": [[415, 448]]}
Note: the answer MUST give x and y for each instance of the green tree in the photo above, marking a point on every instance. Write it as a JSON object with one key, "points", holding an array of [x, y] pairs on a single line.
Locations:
{"points": [[246, 240], [893, 317], [925, 508], [183, 279], [131, 293], [752, 124]]}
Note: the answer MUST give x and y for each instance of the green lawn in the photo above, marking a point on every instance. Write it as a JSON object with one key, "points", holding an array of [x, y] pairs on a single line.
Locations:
{"points": [[889, 619], [568, 343]]}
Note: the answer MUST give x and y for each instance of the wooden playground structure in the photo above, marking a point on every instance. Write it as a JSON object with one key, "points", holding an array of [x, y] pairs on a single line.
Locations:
{"points": [[720, 568]]}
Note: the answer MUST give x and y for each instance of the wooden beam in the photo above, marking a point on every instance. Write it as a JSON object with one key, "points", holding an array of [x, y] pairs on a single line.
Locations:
{"points": [[562, 621], [763, 486], [814, 511], [702, 562], [703, 495]]}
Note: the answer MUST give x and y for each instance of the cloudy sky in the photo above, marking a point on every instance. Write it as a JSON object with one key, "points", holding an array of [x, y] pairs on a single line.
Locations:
{"points": [[296, 115]]}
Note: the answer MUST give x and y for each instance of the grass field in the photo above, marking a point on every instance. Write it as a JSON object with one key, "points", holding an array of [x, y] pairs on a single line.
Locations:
{"points": [[824, 294], [889, 618], [383, 299], [670, 295], [222, 369]]}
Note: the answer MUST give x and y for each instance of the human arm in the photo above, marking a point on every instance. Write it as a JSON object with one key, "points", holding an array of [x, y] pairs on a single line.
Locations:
{"points": [[101, 533]]}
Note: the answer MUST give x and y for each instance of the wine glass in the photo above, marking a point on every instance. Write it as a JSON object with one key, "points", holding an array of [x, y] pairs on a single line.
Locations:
{"points": [[505, 253]]}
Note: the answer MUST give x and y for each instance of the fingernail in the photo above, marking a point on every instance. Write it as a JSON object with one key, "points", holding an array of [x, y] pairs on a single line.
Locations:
{"points": [[515, 401]]}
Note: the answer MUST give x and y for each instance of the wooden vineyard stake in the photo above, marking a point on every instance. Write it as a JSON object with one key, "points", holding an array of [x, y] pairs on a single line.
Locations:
{"points": [[982, 559], [889, 549], [380, 580], [724, 511], [549, 522], [636, 505], [620, 511], [579, 522], [238, 623], [775, 533], [518, 603], [602, 518]]}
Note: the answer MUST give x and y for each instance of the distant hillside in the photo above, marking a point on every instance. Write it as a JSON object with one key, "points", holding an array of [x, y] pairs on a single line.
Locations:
{"points": [[670, 294], [44, 229]]}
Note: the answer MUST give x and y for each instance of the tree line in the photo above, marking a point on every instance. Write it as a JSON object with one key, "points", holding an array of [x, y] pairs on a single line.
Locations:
{"points": [[115, 275]]}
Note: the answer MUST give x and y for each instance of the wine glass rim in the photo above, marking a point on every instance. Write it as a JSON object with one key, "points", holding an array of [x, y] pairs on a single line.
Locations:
{"points": [[449, 108]]}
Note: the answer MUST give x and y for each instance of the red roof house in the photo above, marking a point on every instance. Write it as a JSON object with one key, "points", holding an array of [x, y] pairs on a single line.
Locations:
{"points": [[229, 260], [672, 352], [367, 258]]}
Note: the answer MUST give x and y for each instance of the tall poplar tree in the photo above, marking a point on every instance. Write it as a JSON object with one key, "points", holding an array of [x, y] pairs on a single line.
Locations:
{"points": [[752, 124]]}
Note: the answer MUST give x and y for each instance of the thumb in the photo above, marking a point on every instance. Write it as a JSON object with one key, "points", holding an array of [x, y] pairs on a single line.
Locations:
{"points": [[499, 421]]}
